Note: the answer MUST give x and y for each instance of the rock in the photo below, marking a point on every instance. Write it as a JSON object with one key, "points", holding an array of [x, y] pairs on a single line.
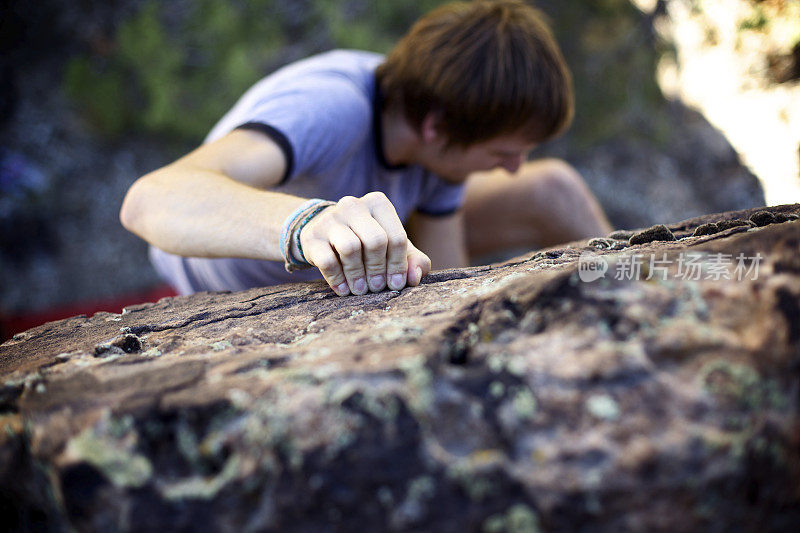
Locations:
{"points": [[762, 218], [663, 394], [715, 227], [658, 232], [601, 242]]}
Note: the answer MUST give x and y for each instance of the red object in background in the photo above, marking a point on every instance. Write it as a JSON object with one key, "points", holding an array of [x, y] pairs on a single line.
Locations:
{"points": [[12, 324]]}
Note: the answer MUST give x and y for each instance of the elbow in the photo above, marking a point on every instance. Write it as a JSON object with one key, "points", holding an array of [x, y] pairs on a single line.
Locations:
{"points": [[132, 212]]}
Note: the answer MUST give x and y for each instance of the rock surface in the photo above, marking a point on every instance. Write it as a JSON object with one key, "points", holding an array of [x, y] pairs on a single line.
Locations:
{"points": [[510, 397]]}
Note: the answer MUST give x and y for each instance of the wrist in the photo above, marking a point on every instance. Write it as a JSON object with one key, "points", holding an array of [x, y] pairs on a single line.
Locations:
{"points": [[291, 248]]}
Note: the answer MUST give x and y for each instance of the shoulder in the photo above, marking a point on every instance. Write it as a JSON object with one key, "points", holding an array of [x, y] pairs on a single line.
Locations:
{"points": [[337, 71], [333, 86]]}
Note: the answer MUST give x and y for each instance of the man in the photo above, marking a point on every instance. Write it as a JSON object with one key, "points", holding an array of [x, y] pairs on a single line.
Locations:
{"points": [[390, 144]]}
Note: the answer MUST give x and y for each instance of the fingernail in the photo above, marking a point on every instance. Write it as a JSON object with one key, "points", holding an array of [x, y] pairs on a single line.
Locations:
{"points": [[359, 286], [377, 283], [342, 289], [397, 281], [418, 270]]}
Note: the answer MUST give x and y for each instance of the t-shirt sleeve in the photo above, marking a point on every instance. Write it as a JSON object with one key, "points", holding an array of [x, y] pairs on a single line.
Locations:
{"points": [[440, 198], [317, 123]]}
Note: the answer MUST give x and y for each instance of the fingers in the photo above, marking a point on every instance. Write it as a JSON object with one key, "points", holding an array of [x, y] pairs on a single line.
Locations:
{"points": [[321, 255], [374, 242], [348, 246], [419, 265], [360, 245], [384, 213]]}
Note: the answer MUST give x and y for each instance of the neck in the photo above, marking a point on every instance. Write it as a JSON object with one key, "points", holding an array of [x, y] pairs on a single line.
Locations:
{"points": [[401, 144]]}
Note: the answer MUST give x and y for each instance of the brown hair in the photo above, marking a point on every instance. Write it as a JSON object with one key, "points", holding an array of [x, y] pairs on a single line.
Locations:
{"points": [[489, 68]]}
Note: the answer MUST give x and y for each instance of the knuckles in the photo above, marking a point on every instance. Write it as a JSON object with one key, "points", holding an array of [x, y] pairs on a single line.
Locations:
{"points": [[349, 249], [376, 243], [346, 203], [397, 240], [327, 265], [375, 198]]}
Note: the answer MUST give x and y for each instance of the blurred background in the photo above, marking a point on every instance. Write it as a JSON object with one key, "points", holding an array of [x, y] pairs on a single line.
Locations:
{"points": [[684, 107]]}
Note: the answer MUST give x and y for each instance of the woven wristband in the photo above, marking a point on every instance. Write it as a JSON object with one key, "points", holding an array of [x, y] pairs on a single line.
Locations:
{"points": [[288, 223], [290, 261], [303, 221]]}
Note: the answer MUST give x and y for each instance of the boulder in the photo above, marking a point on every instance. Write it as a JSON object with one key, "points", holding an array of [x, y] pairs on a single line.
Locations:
{"points": [[612, 386]]}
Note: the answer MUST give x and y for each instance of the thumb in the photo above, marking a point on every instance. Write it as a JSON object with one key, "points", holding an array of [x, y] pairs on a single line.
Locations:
{"points": [[419, 265]]}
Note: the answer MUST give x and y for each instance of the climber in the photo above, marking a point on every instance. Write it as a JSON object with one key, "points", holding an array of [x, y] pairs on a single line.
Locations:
{"points": [[369, 171]]}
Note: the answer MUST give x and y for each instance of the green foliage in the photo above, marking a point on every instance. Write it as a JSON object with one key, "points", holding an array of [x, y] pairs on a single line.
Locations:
{"points": [[176, 68], [758, 20], [613, 61], [372, 26], [102, 96], [177, 77]]}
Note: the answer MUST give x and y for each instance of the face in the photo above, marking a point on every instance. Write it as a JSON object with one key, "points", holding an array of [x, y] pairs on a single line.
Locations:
{"points": [[455, 164]]}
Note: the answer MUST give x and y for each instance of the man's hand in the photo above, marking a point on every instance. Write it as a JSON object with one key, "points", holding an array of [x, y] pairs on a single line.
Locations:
{"points": [[360, 245]]}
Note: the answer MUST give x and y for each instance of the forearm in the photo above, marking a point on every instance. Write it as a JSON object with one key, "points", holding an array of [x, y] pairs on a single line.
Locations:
{"points": [[200, 213]]}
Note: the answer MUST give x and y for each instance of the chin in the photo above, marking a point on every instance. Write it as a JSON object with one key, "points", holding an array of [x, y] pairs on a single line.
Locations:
{"points": [[454, 180], [452, 176]]}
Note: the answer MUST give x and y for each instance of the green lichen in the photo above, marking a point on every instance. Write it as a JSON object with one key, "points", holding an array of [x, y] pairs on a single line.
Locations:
{"points": [[524, 403], [337, 392], [519, 518], [421, 488], [203, 488], [120, 427], [497, 389], [468, 476], [113, 456], [517, 366], [267, 426], [603, 407], [221, 345], [522, 519], [386, 408], [497, 363], [496, 523], [187, 443], [742, 385], [420, 382]]}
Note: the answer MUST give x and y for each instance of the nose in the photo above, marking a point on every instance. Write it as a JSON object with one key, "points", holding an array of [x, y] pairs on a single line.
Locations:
{"points": [[513, 163]]}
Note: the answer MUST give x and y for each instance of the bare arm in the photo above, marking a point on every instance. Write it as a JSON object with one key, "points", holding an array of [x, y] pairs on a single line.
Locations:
{"points": [[214, 203], [441, 238]]}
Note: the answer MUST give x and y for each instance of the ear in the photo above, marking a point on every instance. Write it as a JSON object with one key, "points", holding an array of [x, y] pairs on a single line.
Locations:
{"points": [[429, 130]]}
